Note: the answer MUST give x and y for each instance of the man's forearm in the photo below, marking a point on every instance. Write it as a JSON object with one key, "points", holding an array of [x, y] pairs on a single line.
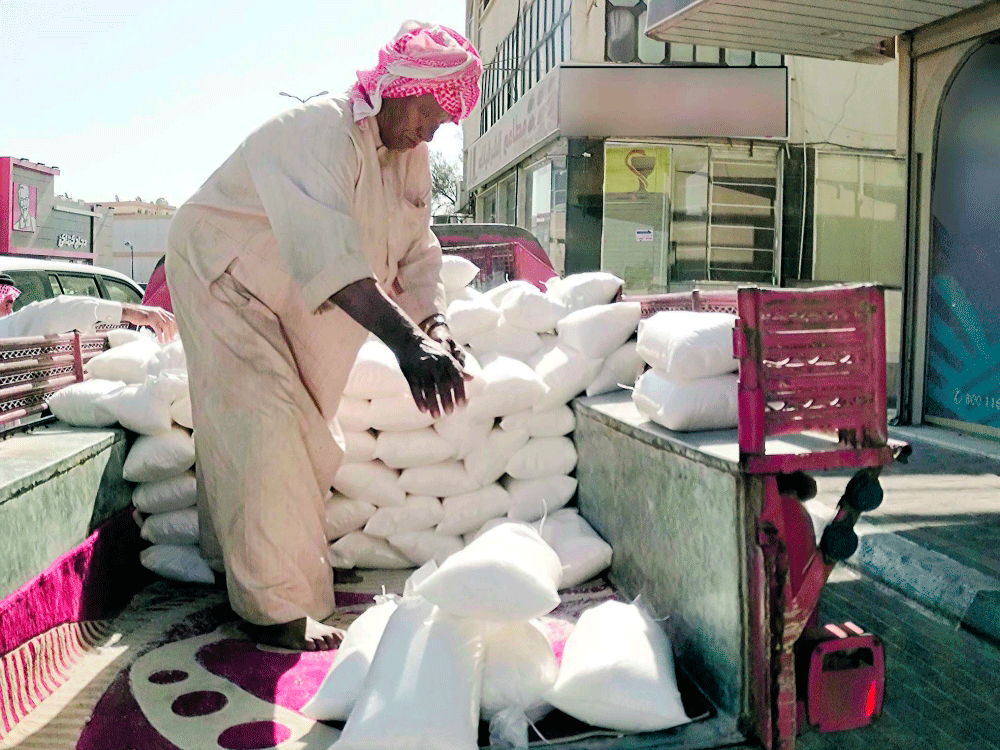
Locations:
{"points": [[370, 307]]}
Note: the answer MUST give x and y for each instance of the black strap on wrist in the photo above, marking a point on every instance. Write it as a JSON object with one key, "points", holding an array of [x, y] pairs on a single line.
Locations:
{"points": [[431, 322]]}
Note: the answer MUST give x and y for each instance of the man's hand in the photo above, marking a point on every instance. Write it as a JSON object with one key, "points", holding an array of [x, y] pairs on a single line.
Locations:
{"points": [[436, 378], [440, 332], [161, 321]]}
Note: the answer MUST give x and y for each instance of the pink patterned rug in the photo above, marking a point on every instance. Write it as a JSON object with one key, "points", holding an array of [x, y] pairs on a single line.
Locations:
{"points": [[201, 685]]}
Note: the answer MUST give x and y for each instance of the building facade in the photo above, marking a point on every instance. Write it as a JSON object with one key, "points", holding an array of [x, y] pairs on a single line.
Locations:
{"points": [[38, 223], [948, 120], [677, 164], [139, 238]]}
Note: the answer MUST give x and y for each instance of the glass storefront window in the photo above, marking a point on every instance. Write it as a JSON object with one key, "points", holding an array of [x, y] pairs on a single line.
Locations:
{"points": [[689, 213], [540, 202], [635, 239], [860, 214], [486, 206], [681, 53], [741, 57]]}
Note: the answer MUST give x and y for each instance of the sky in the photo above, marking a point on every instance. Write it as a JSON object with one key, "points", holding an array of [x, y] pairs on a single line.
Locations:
{"points": [[146, 100]]}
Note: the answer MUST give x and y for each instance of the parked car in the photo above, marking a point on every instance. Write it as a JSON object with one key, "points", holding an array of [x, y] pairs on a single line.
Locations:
{"points": [[42, 279], [503, 252]]}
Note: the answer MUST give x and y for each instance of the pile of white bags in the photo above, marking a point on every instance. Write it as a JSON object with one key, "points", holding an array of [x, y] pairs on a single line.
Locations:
{"points": [[464, 644], [692, 383], [144, 387], [461, 645], [413, 488]]}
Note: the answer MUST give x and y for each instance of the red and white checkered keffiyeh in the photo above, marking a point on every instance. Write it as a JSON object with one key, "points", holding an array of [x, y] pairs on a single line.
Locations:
{"points": [[8, 293], [422, 59]]}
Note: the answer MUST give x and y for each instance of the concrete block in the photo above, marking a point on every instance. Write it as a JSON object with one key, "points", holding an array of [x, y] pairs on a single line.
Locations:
{"points": [[57, 485]]}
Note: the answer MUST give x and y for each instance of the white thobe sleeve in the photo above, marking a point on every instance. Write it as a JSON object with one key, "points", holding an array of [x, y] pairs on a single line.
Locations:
{"points": [[305, 169], [59, 315], [418, 288]]}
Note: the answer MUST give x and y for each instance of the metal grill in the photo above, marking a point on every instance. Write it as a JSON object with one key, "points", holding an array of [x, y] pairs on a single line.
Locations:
{"points": [[32, 369], [812, 361], [496, 262], [695, 300]]}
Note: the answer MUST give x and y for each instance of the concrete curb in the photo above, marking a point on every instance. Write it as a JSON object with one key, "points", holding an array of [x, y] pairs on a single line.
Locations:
{"points": [[923, 575]]}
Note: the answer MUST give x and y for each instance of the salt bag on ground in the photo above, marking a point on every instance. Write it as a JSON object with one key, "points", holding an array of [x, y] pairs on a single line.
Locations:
{"points": [[173, 527], [353, 414], [530, 309], [423, 687], [156, 457], [464, 430], [85, 404], [617, 672], [360, 550], [421, 547], [581, 290], [457, 272], [375, 373], [182, 563], [686, 345], [467, 512], [438, 480], [397, 414], [140, 408], [419, 513], [487, 462], [180, 412], [531, 499], [582, 551], [498, 294], [688, 405], [598, 331], [469, 318], [344, 515], [620, 369], [565, 373], [359, 447], [339, 689], [506, 575], [520, 669], [506, 339], [401, 450], [373, 482], [543, 457], [509, 386], [174, 493], [128, 362], [555, 422]]}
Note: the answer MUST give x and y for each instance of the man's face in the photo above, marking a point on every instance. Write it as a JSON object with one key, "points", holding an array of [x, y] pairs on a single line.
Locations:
{"points": [[406, 121], [6, 307]]}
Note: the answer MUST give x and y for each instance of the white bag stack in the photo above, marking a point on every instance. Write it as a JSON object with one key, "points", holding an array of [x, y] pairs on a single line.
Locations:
{"points": [[509, 453], [692, 384], [144, 387]]}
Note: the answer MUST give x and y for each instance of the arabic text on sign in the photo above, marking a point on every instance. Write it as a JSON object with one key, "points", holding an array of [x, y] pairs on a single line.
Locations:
{"points": [[71, 240]]}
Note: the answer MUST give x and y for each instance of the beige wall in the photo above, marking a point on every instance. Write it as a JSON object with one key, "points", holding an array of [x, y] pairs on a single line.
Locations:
{"points": [[587, 40], [848, 104]]}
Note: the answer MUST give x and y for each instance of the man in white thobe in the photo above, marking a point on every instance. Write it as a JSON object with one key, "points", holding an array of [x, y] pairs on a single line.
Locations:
{"points": [[313, 234]]}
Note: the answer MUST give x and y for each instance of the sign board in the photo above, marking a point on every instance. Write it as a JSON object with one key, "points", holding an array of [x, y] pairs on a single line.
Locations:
{"points": [[530, 122]]}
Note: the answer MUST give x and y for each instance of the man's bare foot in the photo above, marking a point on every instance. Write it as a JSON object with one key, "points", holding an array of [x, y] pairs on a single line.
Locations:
{"points": [[304, 634]]}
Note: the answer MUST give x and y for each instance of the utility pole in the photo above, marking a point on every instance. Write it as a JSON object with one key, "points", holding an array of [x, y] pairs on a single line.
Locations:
{"points": [[131, 252]]}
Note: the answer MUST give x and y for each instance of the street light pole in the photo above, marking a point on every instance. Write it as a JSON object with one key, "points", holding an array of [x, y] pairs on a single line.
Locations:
{"points": [[292, 96], [131, 252]]}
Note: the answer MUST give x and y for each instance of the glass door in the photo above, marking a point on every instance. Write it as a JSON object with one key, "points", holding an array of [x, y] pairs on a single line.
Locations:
{"points": [[689, 219], [962, 387]]}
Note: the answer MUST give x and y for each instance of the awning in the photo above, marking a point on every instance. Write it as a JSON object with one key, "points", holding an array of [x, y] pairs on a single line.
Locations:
{"points": [[830, 29]]}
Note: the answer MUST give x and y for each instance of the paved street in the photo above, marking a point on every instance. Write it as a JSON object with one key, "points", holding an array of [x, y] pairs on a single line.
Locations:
{"points": [[942, 683]]}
